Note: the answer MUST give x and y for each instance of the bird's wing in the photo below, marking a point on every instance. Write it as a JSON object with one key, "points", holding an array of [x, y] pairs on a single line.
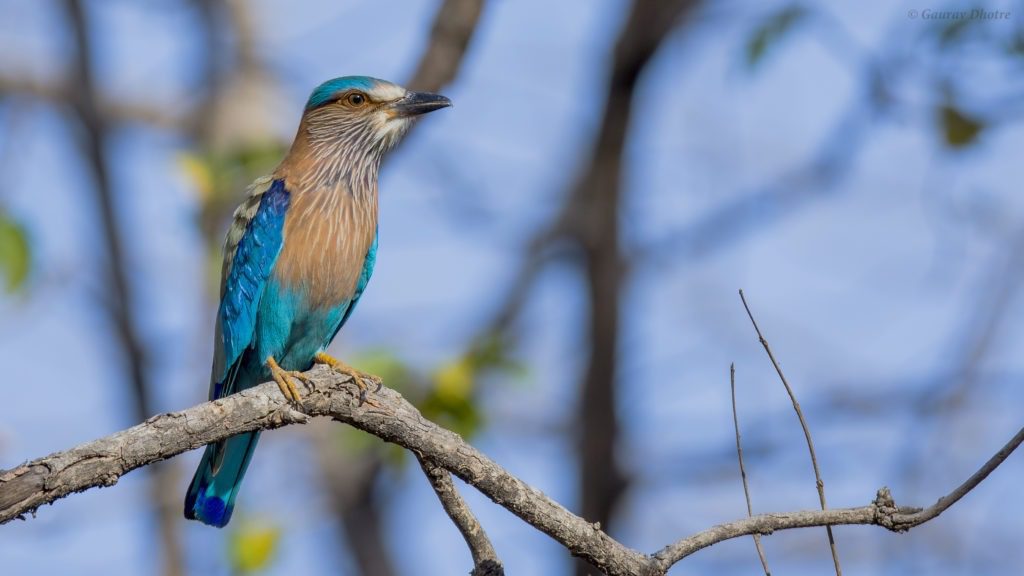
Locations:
{"points": [[250, 250]]}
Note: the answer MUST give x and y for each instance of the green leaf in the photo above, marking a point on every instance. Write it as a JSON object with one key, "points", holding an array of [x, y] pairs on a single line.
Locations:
{"points": [[958, 127], [770, 31], [252, 546], [15, 255], [219, 179], [457, 413], [258, 158]]}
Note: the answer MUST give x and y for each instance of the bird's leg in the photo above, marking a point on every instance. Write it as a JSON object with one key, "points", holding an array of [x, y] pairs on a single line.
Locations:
{"points": [[284, 379], [343, 368]]}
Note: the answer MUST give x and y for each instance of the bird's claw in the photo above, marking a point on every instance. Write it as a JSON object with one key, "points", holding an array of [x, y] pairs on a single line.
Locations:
{"points": [[358, 377], [284, 379]]}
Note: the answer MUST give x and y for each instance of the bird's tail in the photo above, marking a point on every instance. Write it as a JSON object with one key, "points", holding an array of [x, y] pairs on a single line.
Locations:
{"points": [[211, 496]]}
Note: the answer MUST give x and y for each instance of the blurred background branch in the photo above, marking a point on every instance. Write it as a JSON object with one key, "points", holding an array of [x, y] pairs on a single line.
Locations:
{"points": [[120, 301]]}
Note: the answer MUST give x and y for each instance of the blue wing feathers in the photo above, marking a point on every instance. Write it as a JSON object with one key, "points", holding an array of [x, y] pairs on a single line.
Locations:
{"points": [[211, 496], [251, 268]]}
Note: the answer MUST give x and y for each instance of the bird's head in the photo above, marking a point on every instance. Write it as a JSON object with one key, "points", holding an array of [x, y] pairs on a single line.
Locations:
{"points": [[362, 114]]}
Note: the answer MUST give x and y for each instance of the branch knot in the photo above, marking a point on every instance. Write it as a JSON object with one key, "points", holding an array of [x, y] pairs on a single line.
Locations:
{"points": [[886, 510]]}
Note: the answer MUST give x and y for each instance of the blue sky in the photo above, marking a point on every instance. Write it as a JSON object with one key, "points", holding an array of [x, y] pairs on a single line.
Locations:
{"points": [[869, 290]]}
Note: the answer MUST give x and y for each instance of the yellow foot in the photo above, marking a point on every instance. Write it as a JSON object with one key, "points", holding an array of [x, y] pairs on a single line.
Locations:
{"points": [[341, 367], [284, 380]]}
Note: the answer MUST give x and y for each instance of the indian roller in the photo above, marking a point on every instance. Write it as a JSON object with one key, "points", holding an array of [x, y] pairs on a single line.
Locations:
{"points": [[297, 258]]}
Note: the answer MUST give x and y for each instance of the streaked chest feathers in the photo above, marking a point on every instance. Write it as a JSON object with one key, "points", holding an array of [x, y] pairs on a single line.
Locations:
{"points": [[327, 235]]}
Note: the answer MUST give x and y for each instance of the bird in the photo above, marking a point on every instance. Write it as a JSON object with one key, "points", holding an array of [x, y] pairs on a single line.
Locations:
{"points": [[297, 257]]}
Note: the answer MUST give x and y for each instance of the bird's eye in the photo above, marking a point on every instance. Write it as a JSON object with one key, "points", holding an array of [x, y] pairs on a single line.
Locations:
{"points": [[356, 99]]}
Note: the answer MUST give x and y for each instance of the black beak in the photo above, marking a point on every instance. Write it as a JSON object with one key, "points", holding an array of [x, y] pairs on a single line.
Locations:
{"points": [[416, 103]]}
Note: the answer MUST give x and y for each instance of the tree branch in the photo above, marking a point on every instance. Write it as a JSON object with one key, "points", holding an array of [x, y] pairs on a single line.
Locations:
{"points": [[485, 559], [102, 462]]}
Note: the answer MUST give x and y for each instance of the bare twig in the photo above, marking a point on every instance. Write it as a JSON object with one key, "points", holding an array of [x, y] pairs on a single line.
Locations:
{"points": [[485, 559], [807, 432], [743, 471], [102, 462], [942, 504]]}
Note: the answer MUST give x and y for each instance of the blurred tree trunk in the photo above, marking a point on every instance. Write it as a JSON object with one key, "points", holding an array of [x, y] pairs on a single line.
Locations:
{"points": [[452, 31], [591, 220], [163, 482], [350, 481]]}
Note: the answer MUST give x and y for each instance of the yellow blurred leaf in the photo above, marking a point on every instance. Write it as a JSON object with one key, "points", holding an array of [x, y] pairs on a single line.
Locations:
{"points": [[454, 381], [253, 546], [199, 172], [15, 255]]}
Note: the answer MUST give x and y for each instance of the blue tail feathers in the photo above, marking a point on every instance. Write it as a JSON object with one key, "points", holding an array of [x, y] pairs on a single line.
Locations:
{"points": [[211, 496]]}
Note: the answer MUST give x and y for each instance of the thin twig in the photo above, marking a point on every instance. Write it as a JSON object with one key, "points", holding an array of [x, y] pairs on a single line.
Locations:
{"points": [[743, 471], [921, 516], [807, 432], [485, 559]]}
